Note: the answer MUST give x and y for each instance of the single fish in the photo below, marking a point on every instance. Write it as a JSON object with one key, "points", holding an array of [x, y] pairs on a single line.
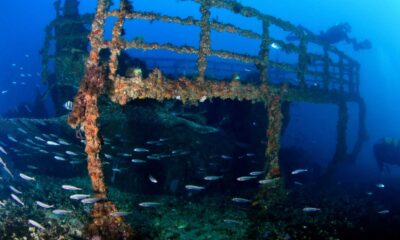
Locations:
{"points": [[71, 188], [43, 151], [298, 183], [79, 196], [39, 139], [267, 181], [52, 143], [384, 212], [311, 209], [232, 221], [68, 105], [17, 199], [153, 157], [36, 224], [194, 187], [8, 171], [22, 131], [44, 205], [138, 160], [11, 138], [14, 190], [369, 193], [212, 178], [140, 150], [3, 204], [226, 157], [149, 204], [297, 171], [245, 178], [250, 154], [26, 177], [275, 46], [380, 185], [256, 173], [63, 142], [71, 153], [152, 179], [59, 158], [119, 214], [108, 156], [240, 200], [61, 211], [2, 150], [90, 200], [203, 98]]}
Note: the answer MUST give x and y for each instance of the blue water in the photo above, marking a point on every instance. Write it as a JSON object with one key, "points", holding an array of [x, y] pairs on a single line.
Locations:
{"points": [[312, 127]]}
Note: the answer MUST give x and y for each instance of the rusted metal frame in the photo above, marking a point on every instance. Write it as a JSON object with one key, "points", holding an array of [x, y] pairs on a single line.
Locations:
{"points": [[188, 50], [158, 87], [341, 73], [302, 61], [116, 45], [362, 132], [341, 143], [274, 130], [351, 79], [264, 51], [205, 40], [326, 67]]}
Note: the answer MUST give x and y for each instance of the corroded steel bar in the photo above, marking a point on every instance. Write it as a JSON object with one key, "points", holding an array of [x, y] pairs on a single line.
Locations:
{"points": [[158, 87], [205, 40], [264, 50], [189, 50], [326, 67], [275, 121], [116, 46], [341, 143], [341, 73], [302, 61]]}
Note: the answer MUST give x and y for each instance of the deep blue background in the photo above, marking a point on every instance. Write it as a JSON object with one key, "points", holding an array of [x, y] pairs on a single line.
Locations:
{"points": [[22, 24]]}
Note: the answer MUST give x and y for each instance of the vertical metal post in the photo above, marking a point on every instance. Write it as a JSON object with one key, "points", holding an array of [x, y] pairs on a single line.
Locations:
{"points": [[116, 40], [341, 73], [326, 67], [205, 40], [302, 61], [264, 50]]}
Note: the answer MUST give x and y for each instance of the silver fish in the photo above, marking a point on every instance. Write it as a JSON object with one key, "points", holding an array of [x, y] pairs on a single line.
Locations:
{"points": [[240, 200], [71, 188], [140, 150], [2, 150], [36, 224], [226, 157], [119, 214], [153, 157], [26, 177], [149, 204], [212, 178], [3, 204], [90, 200], [8, 171], [14, 190], [380, 185], [32, 167], [40, 139], [194, 187], [44, 205], [43, 151], [311, 209], [11, 138], [61, 211], [79, 196], [245, 178], [17, 199], [297, 171], [68, 105], [108, 156], [232, 221], [256, 173], [22, 131], [71, 153], [59, 158], [384, 212], [63, 142], [52, 143], [267, 181], [138, 160], [152, 179]]}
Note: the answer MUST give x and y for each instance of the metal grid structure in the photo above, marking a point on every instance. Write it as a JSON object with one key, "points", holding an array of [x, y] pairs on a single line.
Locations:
{"points": [[340, 84]]}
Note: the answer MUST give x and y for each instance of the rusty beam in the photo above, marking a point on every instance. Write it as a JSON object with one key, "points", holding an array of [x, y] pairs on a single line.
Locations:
{"points": [[205, 40]]}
